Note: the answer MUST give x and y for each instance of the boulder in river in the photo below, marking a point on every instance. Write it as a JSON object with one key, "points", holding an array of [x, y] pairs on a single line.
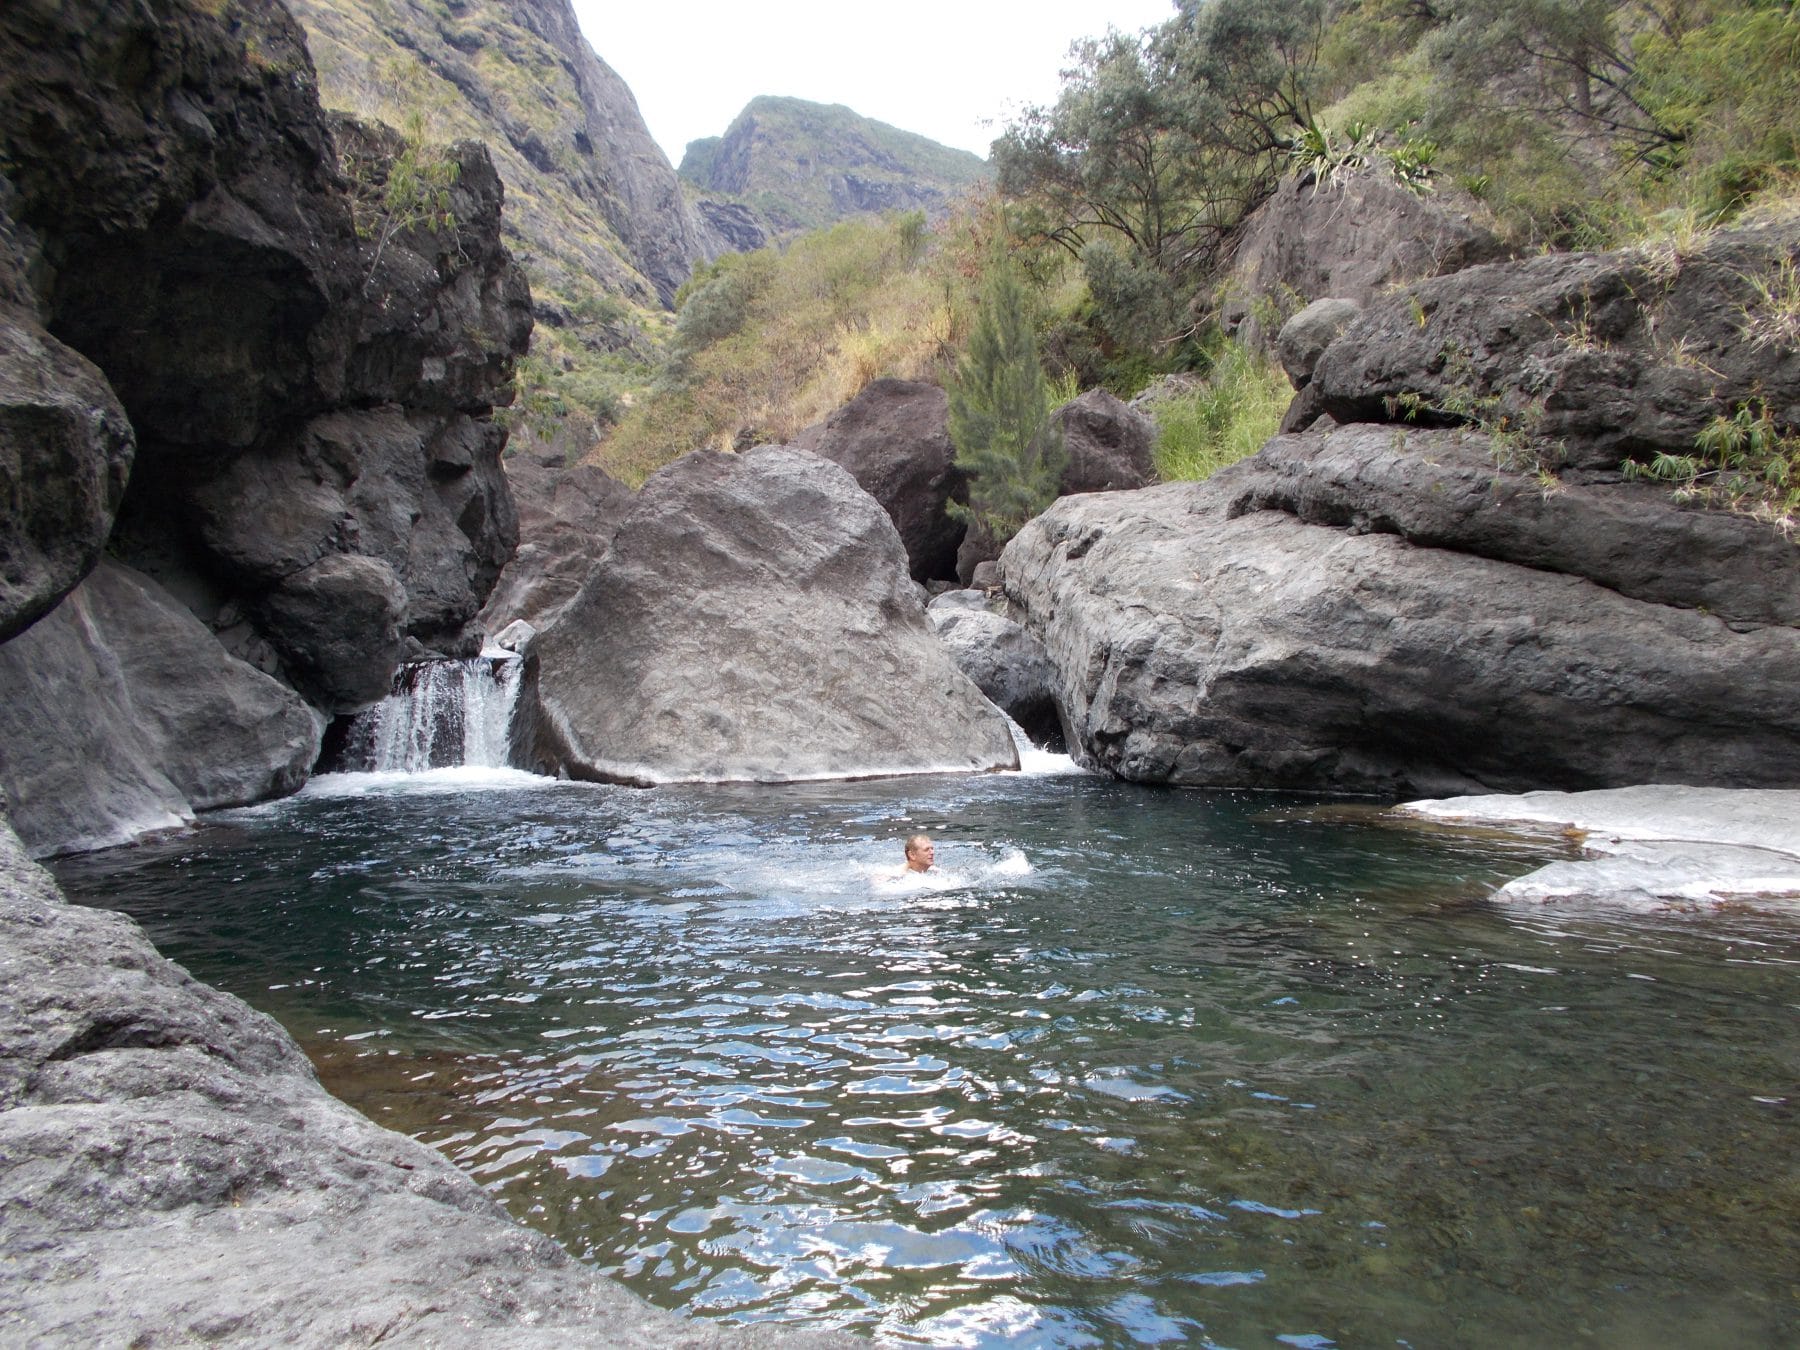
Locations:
{"points": [[754, 620], [1006, 663], [1369, 610]]}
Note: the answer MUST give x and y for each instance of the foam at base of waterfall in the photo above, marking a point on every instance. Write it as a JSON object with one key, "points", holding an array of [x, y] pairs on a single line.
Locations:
{"points": [[456, 778]]}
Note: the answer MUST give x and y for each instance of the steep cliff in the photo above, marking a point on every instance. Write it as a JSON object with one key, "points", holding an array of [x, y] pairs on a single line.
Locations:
{"points": [[250, 350], [800, 165], [593, 206]]}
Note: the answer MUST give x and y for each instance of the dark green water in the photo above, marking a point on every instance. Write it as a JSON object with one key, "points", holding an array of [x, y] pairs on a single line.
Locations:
{"points": [[1162, 1068]]}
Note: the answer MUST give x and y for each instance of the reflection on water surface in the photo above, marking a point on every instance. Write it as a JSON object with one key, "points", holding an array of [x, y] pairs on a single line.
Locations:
{"points": [[1157, 1067]]}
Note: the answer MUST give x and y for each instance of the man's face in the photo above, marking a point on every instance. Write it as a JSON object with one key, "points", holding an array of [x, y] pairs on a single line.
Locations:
{"points": [[919, 856]]}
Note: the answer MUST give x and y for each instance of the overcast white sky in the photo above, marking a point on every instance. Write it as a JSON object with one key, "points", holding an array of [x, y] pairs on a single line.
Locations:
{"points": [[953, 70]]}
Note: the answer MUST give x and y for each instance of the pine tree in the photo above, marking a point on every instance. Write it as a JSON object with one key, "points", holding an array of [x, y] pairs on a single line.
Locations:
{"points": [[1000, 418]]}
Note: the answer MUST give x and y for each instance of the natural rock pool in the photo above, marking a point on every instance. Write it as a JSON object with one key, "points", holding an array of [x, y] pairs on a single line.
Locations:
{"points": [[1146, 1067]]}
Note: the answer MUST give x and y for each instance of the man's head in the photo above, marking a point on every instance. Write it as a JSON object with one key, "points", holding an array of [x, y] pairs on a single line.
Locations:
{"points": [[919, 853]]}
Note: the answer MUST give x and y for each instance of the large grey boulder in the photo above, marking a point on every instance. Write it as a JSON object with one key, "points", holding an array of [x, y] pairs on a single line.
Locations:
{"points": [[1304, 338], [753, 620], [65, 452], [567, 516], [1005, 662], [1595, 357], [1353, 240], [175, 1175], [894, 438], [123, 715], [1309, 644]]}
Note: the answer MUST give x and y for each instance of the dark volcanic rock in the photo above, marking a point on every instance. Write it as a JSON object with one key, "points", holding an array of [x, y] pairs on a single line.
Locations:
{"points": [[894, 437], [307, 377], [1598, 357], [337, 627], [566, 519], [175, 1175], [65, 451], [1353, 241], [1006, 663], [122, 715], [753, 619], [1108, 444], [1304, 338], [1199, 642]]}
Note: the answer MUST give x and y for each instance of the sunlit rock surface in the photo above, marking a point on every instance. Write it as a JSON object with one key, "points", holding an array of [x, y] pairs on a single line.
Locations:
{"points": [[1652, 846], [753, 620]]}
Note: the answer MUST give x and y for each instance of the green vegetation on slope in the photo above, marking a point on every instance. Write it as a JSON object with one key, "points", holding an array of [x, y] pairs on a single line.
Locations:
{"points": [[769, 342], [1580, 123], [477, 70]]}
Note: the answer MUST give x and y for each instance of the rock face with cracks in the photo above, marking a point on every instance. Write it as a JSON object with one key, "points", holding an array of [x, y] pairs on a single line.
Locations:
{"points": [[176, 1175], [1597, 357], [1205, 635], [753, 620], [307, 361]]}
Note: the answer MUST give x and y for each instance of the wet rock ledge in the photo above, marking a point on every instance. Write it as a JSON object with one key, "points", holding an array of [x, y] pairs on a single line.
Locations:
{"points": [[171, 1172]]}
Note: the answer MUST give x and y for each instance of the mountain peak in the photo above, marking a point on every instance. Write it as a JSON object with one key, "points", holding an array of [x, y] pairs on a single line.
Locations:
{"points": [[802, 164]]}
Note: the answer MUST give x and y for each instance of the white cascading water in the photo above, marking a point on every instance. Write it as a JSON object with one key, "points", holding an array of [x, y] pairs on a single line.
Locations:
{"points": [[441, 714]]}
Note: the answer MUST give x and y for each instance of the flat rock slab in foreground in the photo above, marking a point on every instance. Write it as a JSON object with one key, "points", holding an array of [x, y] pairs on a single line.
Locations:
{"points": [[171, 1173], [1657, 846], [753, 621]]}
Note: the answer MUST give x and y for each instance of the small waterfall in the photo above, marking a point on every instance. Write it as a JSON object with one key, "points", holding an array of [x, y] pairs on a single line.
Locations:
{"points": [[440, 714]]}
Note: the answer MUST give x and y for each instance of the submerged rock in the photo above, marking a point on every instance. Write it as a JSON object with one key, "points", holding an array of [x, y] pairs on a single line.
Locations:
{"points": [[1655, 846], [753, 620], [175, 1174], [123, 716]]}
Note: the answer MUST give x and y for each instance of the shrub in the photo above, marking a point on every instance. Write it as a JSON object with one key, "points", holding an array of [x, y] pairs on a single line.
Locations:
{"points": [[1000, 419], [1227, 419]]}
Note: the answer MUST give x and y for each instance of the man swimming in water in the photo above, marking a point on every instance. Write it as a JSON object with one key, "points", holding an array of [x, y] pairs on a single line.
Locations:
{"points": [[920, 853]]}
